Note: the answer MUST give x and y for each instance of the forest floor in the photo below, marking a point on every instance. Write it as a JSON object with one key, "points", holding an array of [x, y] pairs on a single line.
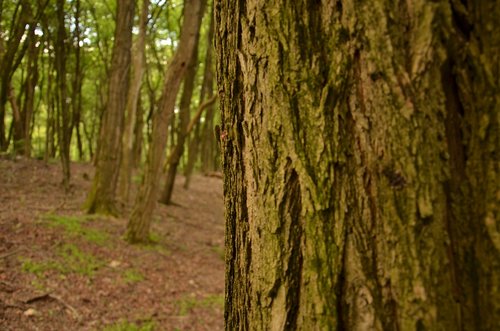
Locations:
{"points": [[63, 270]]}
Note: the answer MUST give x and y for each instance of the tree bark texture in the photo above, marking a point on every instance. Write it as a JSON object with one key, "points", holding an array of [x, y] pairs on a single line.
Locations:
{"points": [[360, 152], [102, 197], [140, 219]]}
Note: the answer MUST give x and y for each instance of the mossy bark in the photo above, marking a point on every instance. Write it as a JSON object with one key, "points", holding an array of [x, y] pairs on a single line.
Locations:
{"points": [[360, 145]]}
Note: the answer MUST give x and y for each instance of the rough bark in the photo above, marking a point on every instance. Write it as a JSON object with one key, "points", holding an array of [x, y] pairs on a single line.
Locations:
{"points": [[131, 108], [102, 197], [140, 219], [360, 145]]}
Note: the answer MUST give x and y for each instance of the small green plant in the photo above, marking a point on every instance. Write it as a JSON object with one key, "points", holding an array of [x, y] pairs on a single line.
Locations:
{"points": [[186, 304], [73, 261], [77, 261], [73, 225], [36, 268], [128, 326], [132, 276], [38, 285]]}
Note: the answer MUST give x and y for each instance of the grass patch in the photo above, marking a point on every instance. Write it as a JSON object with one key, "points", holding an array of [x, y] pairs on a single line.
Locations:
{"points": [[132, 276], [36, 268], [73, 225], [128, 326], [71, 260], [186, 304], [77, 261], [155, 244]]}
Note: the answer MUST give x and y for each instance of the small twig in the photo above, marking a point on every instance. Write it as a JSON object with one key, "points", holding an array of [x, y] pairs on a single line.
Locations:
{"points": [[37, 298], [15, 251], [58, 299]]}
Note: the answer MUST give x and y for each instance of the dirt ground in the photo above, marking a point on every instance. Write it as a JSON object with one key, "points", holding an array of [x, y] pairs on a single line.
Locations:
{"points": [[63, 270]]}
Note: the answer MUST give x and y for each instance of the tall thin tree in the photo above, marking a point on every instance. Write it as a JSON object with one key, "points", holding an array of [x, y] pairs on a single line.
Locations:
{"points": [[140, 220], [184, 115], [137, 71], [102, 197], [63, 109]]}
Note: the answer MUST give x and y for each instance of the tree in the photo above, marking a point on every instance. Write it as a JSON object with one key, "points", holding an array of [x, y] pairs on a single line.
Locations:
{"points": [[102, 197], [177, 149], [10, 58], [140, 219], [360, 153], [63, 109], [207, 127], [131, 108]]}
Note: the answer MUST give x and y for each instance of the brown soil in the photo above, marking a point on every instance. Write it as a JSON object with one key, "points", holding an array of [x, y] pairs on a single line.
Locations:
{"points": [[77, 273]]}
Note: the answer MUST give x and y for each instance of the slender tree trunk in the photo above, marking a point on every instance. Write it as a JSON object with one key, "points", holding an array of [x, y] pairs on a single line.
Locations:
{"points": [[29, 100], [139, 135], [8, 61], [360, 146], [50, 122], [193, 154], [208, 143], [140, 220], [102, 197], [131, 108], [64, 116], [184, 114], [77, 82], [206, 91]]}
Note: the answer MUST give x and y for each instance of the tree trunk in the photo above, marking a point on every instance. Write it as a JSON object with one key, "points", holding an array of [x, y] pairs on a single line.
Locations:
{"points": [[77, 82], [131, 108], [361, 176], [208, 143], [207, 125], [30, 84], [184, 114], [63, 113], [8, 61], [140, 220], [102, 197]]}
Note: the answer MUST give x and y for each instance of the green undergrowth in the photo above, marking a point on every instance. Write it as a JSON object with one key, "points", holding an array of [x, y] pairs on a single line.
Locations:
{"points": [[74, 226], [129, 326], [186, 304], [69, 259], [132, 276], [155, 244]]}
